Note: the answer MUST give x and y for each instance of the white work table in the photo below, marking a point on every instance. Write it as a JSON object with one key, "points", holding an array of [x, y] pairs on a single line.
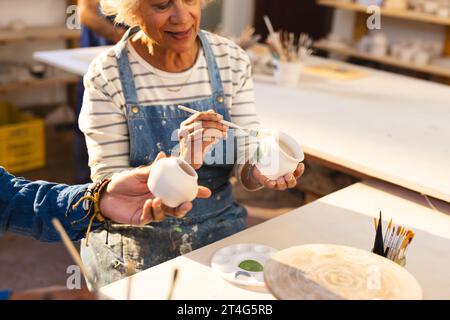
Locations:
{"points": [[344, 218], [385, 126], [75, 61]]}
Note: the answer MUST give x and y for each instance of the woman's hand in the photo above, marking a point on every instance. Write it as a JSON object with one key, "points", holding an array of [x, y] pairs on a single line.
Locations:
{"points": [[128, 200], [289, 181], [197, 134]]}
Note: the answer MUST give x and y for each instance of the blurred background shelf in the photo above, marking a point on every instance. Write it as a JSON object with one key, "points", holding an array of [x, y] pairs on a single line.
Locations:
{"points": [[402, 14], [38, 33], [348, 51], [395, 32], [31, 83]]}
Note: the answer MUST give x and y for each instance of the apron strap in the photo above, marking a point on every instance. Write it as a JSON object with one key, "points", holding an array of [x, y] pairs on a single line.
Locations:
{"points": [[126, 75], [213, 69], [119, 48]]}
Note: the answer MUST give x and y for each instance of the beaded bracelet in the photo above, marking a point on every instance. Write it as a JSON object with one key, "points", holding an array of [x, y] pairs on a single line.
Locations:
{"points": [[94, 196]]}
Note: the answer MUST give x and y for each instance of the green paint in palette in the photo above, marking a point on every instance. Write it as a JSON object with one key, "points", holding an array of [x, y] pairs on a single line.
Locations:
{"points": [[251, 266]]}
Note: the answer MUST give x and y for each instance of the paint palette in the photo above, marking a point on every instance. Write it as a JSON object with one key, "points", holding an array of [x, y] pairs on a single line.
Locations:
{"points": [[243, 264]]}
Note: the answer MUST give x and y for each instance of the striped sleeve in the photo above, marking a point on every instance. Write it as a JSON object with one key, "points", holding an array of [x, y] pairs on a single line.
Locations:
{"points": [[104, 124], [244, 114]]}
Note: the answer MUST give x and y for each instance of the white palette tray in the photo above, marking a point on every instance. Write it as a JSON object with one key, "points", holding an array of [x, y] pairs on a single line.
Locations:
{"points": [[242, 264]]}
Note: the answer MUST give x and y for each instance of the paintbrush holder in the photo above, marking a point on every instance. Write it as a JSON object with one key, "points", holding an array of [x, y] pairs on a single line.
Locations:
{"points": [[287, 74], [401, 262]]}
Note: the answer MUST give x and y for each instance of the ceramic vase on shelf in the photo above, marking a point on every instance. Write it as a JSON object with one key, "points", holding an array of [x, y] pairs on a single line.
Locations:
{"points": [[277, 154], [430, 6], [174, 181], [379, 46], [421, 57]]}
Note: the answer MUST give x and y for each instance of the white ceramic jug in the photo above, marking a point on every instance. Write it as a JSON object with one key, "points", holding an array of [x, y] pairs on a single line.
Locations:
{"points": [[278, 155], [174, 181]]}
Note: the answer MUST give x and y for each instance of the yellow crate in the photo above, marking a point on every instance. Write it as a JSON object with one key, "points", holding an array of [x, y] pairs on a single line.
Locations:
{"points": [[22, 140]]}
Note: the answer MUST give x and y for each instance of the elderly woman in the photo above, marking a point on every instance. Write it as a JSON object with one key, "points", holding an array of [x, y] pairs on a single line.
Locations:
{"points": [[130, 114]]}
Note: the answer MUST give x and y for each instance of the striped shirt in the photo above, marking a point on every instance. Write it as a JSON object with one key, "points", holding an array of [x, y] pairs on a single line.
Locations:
{"points": [[103, 117]]}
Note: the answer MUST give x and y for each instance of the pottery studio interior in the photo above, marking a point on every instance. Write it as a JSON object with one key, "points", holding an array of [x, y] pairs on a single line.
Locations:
{"points": [[327, 121]]}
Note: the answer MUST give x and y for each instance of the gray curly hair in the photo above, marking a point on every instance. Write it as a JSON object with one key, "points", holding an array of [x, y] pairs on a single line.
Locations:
{"points": [[124, 10]]}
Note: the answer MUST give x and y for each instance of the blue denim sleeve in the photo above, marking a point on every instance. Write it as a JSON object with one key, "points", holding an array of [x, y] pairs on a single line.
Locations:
{"points": [[27, 208], [4, 295]]}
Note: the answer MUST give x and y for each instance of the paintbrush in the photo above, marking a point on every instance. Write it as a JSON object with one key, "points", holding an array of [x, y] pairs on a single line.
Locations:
{"points": [[274, 38], [254, 40], [246, 36], [174, 282], [224, 122], [378, 246], [74, 253], [390, 240], [396, 241]]}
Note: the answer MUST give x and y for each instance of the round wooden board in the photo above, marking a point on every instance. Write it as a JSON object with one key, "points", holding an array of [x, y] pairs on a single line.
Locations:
{"points": [[330, 272]]}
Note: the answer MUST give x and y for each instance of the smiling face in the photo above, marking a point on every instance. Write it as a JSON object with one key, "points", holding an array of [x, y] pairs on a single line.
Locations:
{"points": [[171, 24]]}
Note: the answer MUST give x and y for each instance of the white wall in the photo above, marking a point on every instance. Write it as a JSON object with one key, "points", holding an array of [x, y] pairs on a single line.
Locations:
{"points": [[236, 15], [41, 12], [33, 13]]}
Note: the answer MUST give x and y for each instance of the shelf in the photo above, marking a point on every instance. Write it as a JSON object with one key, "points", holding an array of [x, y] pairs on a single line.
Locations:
{"points": [[402, 14], [32, 83], [38, 33], [351, 52]]}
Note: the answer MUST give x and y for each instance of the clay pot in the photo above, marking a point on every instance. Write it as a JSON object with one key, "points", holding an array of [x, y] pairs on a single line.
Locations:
{"points": [[278, 155], [174, 181], [379, 45]]}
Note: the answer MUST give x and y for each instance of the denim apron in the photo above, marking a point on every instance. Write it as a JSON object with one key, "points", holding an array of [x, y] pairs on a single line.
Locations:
{"points": [[152, 129]]}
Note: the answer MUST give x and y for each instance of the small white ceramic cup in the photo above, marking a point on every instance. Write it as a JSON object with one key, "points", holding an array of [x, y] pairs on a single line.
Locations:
{"points": [[407, 54], [421, 58], [279, 154], [287, 74], [174, 181]]}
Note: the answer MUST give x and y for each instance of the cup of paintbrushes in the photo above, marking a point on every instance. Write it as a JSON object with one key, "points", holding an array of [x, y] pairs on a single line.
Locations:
{"points": [[287, 73], [394, 244], [401, 262]]}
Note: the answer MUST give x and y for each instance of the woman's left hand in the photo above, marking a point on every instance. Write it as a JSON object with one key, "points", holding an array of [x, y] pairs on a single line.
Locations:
{"points": [[128, 200], [289, 181]]}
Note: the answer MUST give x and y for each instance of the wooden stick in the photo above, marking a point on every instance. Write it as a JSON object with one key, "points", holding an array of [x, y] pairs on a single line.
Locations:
{"points": [[269, 25], [389, 226], [131, 270], [396, 242], [72, 251], [172, 287]]}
